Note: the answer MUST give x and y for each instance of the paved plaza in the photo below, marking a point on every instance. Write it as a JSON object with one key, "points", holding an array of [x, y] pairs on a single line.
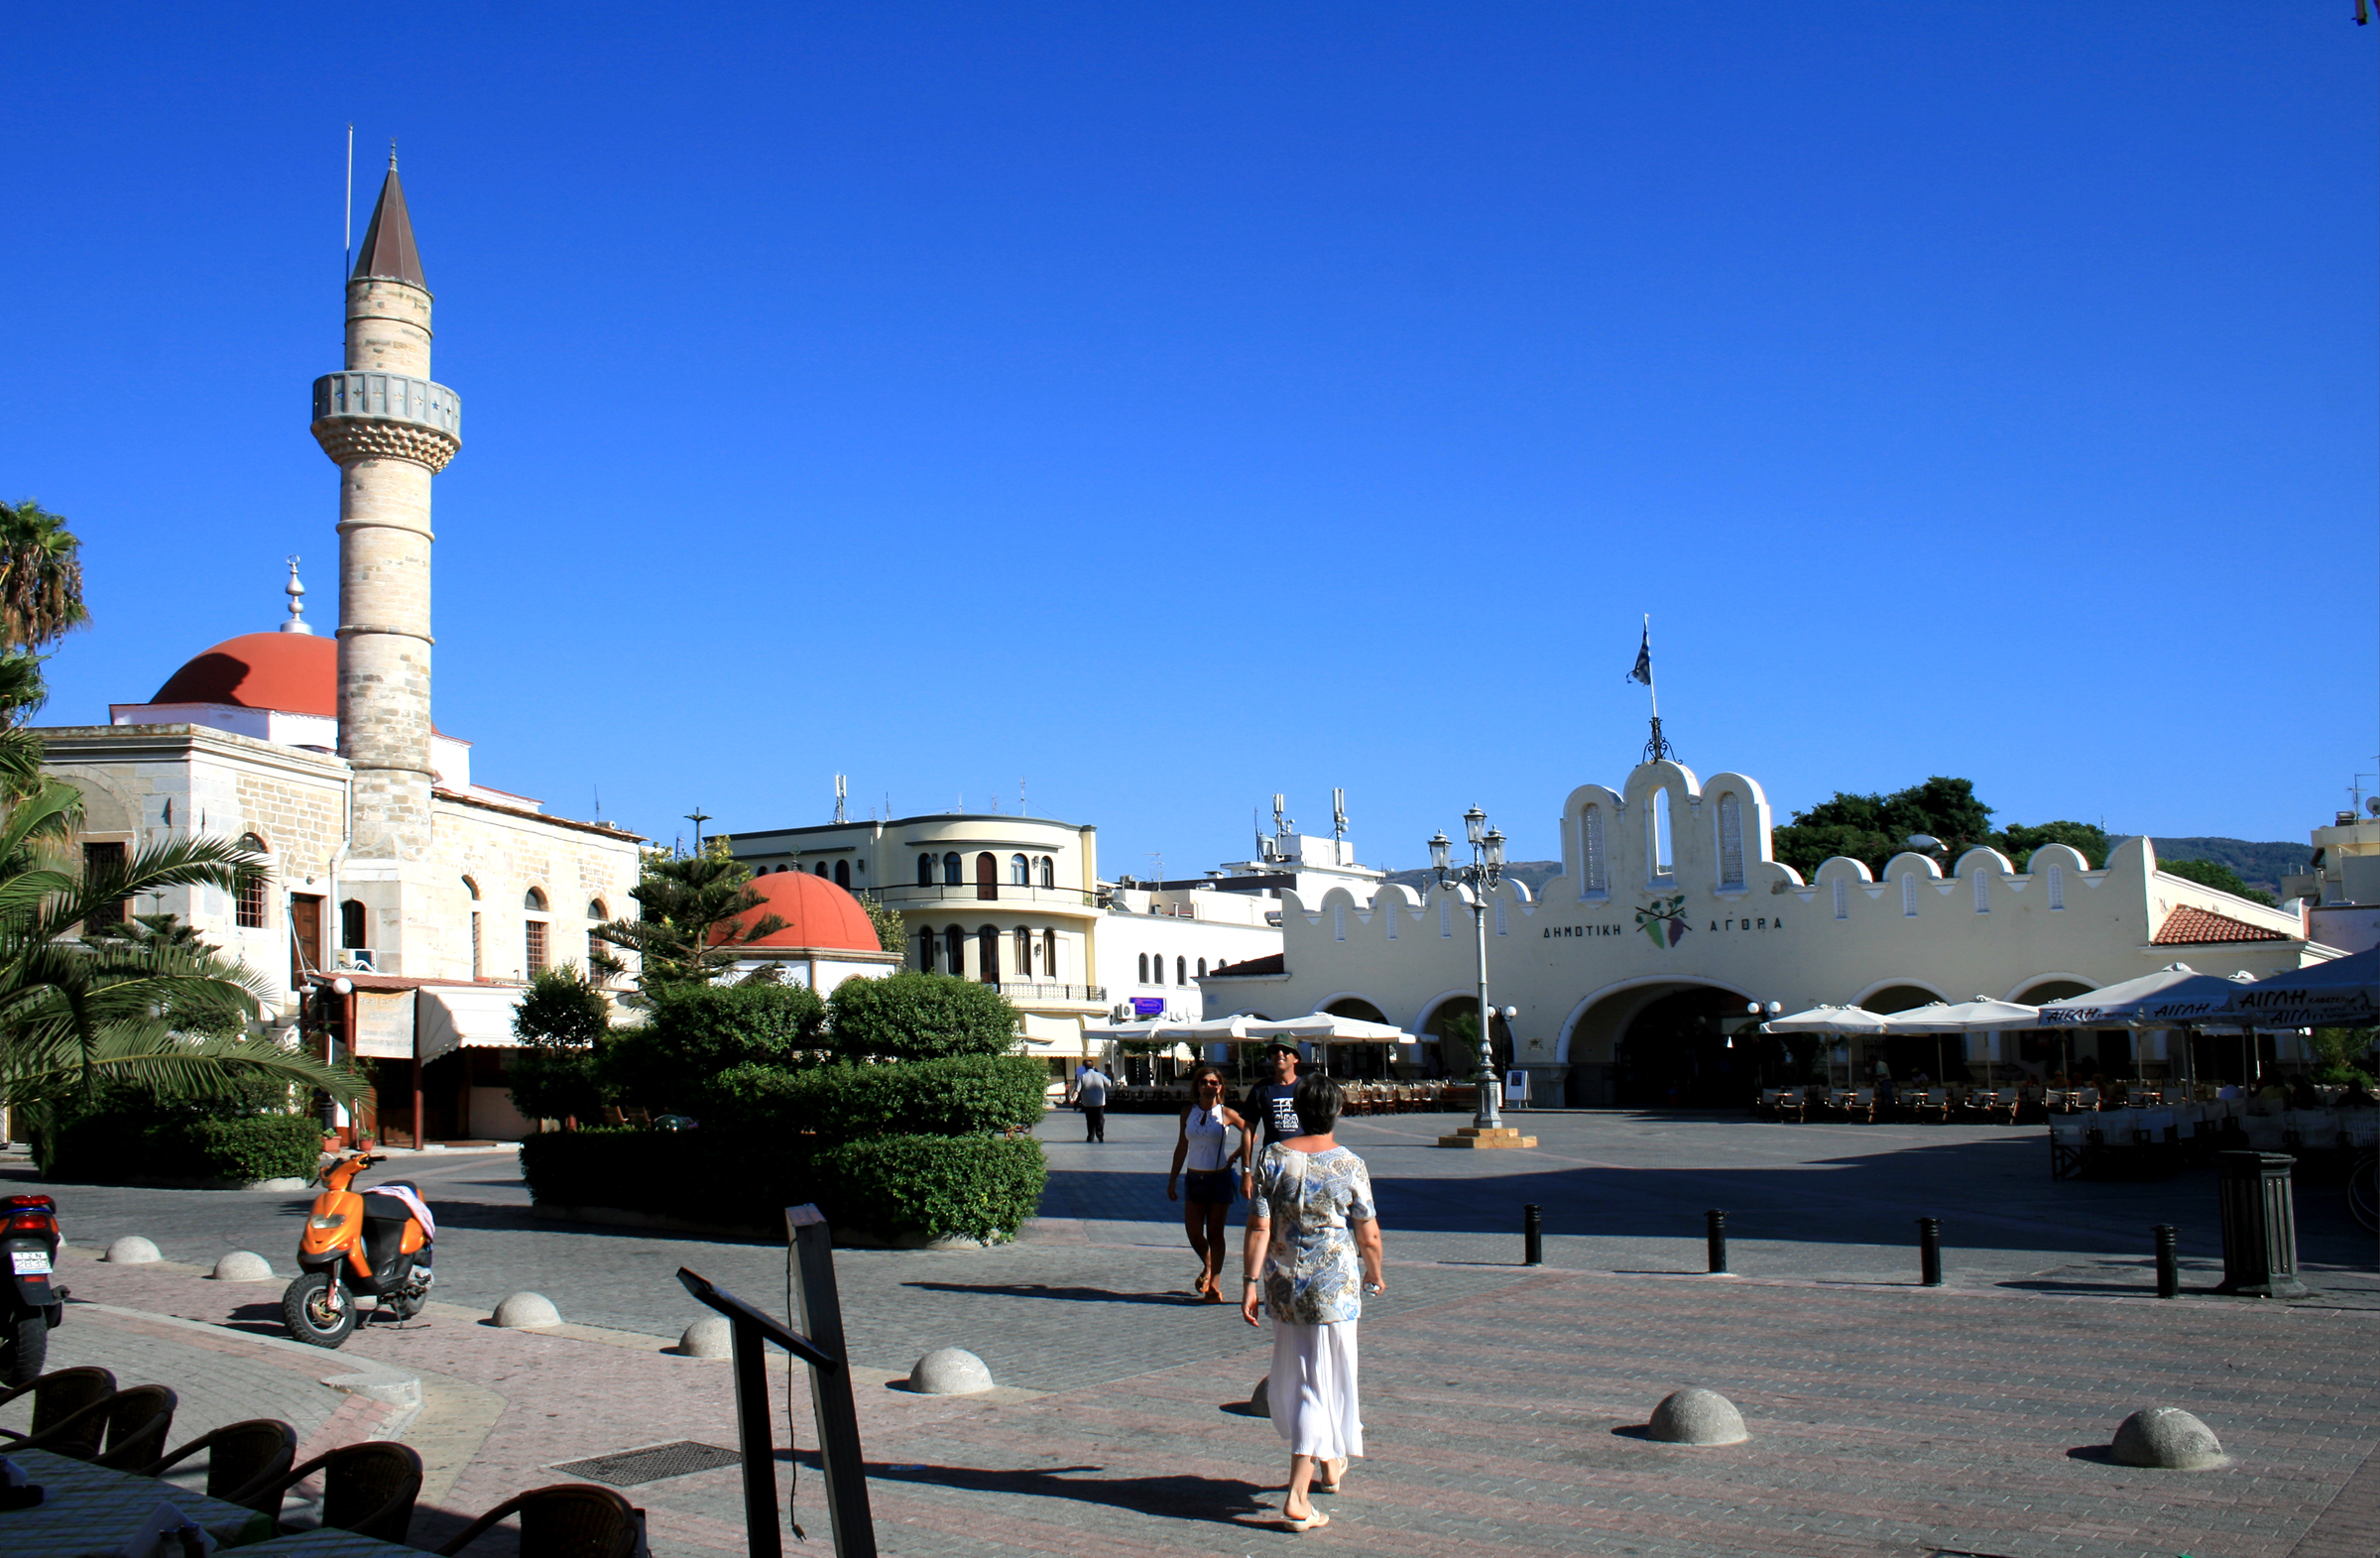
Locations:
{"points": [[1500, 1399]]}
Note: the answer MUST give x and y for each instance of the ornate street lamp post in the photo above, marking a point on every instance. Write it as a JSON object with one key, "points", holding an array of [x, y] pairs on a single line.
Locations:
{"points": [[1483, 875]]}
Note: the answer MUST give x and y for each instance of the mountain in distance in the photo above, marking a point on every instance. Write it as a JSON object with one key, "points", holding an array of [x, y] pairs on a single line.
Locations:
{"points": [[2258, 865]]}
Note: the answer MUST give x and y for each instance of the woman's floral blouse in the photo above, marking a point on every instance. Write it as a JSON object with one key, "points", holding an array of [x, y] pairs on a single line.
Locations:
{"points": [[1312, 1275]]}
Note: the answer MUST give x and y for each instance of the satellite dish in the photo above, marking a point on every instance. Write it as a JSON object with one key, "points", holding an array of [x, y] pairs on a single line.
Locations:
{"points": [[2373, 805]]}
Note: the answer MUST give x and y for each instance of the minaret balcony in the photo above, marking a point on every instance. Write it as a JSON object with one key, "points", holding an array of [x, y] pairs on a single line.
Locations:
{"points": [[387, 415]]}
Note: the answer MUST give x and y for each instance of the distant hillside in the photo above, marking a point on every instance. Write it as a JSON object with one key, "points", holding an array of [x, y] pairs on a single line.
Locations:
{"points": [[2258, 865]]}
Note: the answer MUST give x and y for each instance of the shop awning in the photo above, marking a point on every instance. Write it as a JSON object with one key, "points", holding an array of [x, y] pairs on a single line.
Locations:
{"points": [[456, 1017]]}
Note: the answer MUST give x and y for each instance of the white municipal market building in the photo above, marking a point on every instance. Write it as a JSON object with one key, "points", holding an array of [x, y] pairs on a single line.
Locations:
{"points": [[1672, 916]]}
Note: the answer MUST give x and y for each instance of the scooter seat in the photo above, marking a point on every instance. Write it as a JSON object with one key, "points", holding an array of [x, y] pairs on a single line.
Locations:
{"points": [[384, 1209]]}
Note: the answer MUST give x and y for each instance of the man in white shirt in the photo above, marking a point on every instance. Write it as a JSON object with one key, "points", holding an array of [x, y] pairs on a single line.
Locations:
{"points": [[1091, 1097]]}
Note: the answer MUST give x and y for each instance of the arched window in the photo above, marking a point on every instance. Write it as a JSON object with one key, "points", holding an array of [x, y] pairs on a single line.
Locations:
{"points": [[354, 927], [1024, 953], [596, 910], [2057, 887], [1591, 846], [1049, 954], [928, 943], [926, 870], [1181, 971], [1982, 891], [987, 877], [1048, 872], [478, 946], [533, 933], [248, 908], [1202, 968], [1019, 872], [1730, 841], [954, 949], [533, 901], [1144, 968], [1842, 899], [843, 873], [950, 871], [1909, 894], [819, 869], [1660, 837], [471, 888], [986, 951]]}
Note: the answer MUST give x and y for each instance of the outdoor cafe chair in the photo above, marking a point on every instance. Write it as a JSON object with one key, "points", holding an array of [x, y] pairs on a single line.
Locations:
{"points": [[567, 1521], [368, 1489], [1860, 1104], [81, 1435], [244, 1461], [2086, 1097], [57, 1396], [138, 1421]]}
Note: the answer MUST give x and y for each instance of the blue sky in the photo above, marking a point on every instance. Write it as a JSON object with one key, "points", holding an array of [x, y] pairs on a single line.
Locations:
{"points": [[1171, 405]]}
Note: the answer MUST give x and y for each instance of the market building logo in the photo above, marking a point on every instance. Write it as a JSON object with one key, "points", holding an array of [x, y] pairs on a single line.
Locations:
{"points": [[1664, 920]]}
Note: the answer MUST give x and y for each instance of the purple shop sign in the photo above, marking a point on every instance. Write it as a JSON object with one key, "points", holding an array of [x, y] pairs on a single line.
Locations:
{"points": [[1149, 1006]]}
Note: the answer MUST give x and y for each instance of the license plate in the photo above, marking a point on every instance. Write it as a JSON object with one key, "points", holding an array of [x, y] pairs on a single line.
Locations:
{"points": [[28, 1263]]}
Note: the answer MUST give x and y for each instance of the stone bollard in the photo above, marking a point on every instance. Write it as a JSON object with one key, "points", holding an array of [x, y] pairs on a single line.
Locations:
{"points": [[1697, 1416], [710, 1337], [526, 1311], [950, 1370], [242, 1266], [2168, 1438], [1260, 1400], [132, 1250]]}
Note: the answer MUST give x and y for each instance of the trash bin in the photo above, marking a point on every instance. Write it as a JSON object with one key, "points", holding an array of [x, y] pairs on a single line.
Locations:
{"points": [[2260, 1225]]}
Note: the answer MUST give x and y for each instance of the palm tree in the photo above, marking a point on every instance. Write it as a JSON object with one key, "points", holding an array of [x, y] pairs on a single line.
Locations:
{"points": [[75, 1011], [41, 576]]}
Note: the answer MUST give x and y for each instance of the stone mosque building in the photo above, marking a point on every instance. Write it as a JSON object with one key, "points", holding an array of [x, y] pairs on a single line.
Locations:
{"points": [[430, 895]]}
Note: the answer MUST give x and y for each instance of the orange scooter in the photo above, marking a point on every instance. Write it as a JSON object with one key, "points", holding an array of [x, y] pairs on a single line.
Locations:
{"points": [[376, 1242]]}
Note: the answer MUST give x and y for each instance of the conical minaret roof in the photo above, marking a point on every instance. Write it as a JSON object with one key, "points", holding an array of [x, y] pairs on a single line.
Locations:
{"points": [[389, 241]]}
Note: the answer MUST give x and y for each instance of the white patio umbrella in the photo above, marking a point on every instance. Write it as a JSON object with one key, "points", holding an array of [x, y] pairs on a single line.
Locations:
{"points": [[1329, 1027], [1941, 1018], [1846, 1021], [2176, 996], [2342, 992]]}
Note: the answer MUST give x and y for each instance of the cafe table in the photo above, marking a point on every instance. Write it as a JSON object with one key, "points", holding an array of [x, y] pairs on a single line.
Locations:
{"points": [[86, 1510], [326, 1541]]}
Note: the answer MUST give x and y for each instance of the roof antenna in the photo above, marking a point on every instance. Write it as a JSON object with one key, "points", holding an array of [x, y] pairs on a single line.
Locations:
{"points": [[841, 790], [598, 802], [297, 594]]}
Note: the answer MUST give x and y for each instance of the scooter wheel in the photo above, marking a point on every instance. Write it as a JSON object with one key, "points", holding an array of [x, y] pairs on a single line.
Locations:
{"points": [[305, 1310], [27, 1338]]}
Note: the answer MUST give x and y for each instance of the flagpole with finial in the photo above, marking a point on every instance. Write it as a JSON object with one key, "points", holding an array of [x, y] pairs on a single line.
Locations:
{"points": [[1658, 746]]}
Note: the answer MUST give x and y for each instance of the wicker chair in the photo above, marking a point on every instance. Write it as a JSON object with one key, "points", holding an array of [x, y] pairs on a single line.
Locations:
{"points": [[80, 1435], [138, 1421], [244, 1461], [368, 1489], [57, 1396], [567, 1521]]}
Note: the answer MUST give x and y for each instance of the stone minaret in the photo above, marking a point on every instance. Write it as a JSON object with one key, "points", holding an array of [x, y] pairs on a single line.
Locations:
{"points": [[391, 430]]}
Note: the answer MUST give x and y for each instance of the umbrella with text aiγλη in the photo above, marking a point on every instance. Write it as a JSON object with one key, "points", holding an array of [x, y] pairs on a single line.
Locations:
{"points": [[2176, 996]]}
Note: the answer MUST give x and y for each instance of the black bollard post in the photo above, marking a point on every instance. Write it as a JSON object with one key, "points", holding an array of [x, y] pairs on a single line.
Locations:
{"points": [[1532, 1236], [2169, 1265], [1929, 1251], [1716, 1233]]}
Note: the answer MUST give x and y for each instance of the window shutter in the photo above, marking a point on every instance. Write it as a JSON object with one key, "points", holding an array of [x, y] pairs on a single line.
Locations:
{"points": [[1982, 891], [1909, 894], [1339, 920], [1591, 844], [1388, 914], [1500, 913], [1446, 916], [1730, 841], [2057, 887], [1842, 899]]}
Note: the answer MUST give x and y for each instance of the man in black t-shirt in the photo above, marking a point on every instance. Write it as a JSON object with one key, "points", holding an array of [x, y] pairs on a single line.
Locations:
{"points": [[1269, 1103]]}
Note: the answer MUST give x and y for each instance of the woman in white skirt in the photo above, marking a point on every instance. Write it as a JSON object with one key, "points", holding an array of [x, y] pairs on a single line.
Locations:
{"points": [[1313, 1250]]}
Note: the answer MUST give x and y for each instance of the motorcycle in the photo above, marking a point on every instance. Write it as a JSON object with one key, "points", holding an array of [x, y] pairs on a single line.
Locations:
{"points": [[375, 1244], [31, 1304]]}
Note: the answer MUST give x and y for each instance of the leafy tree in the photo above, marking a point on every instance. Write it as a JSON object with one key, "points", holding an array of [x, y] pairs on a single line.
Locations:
{"points": [[921, 1016], [698, 1031], [561, 1019], [1874, 828], [41, 577], [2345, 1054], [684, 932], [2214, 874], [2019, 840], [892, 932]]}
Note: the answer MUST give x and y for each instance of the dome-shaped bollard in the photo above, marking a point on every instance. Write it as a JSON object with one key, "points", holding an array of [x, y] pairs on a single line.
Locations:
{"points": [[709, 1337], [2167, 1438], [1697, 1416], [526, 1311], [242, 1266], [949, 1371], [132, 1250]]}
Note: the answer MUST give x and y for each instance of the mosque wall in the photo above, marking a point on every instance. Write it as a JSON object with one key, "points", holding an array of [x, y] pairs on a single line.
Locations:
{"points": [[504, 855]]}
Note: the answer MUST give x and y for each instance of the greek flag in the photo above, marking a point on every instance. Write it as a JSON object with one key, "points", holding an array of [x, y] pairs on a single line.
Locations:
{"points": [[1643, 670]]}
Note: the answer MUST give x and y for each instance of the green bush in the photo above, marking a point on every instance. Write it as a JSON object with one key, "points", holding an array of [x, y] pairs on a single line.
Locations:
{"points": [[921, 1016], [966, 1095], [259, 1146], [889, 1187], [126, 1137], [699, 1031]]}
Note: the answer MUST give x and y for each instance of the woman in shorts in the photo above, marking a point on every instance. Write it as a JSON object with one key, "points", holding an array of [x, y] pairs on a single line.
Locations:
{"points": [[1203, 1154]]}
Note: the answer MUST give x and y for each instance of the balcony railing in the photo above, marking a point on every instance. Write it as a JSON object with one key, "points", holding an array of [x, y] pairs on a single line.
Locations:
{"points": [[1042, 990], [954, 894]]}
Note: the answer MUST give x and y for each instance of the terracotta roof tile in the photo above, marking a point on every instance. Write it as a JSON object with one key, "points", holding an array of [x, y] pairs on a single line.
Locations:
{"points": [[2193, 927]]}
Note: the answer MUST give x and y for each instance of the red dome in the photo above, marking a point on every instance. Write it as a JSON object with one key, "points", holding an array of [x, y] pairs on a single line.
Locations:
{"points": [[817, 914], [292, 673]]}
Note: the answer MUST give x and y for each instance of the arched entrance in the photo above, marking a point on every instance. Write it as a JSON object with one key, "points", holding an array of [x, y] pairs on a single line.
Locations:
{"points": [[1358, 1063], [2059, 1051], [1658, 1044], [1941, 1057], [1454, 1029]]}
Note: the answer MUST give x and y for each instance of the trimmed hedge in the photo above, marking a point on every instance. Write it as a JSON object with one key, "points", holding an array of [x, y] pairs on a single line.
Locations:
{"points": [[699, 1031], [912, 1015], [967, 1095], [118, 1149], [891, 1187]]}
